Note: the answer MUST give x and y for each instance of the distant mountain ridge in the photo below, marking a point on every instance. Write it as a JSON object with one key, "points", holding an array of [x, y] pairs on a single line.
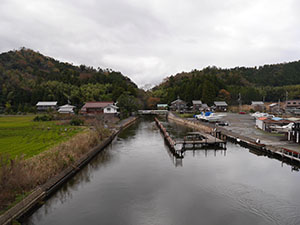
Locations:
{"points": [[268, 82], [27, 76]]}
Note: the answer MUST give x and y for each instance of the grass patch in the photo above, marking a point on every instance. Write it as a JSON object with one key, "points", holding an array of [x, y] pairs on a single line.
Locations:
{"points": [[185, 115], [20, 135], [20, 175]]}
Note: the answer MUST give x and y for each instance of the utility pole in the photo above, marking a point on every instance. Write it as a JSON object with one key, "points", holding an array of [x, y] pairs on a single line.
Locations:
{"points": [[240, 102]]}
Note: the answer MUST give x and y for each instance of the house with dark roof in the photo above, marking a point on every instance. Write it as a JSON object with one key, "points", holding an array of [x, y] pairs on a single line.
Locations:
{"points": [[178, 105], [204, 107], [220, 106], [197, 104], [98, 108], [258, 106]]}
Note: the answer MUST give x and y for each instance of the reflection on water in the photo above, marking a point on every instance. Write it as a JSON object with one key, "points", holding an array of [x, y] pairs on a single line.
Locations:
{"points": [[135, 182]]}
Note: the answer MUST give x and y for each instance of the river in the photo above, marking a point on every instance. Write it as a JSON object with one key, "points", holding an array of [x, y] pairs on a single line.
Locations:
{"points": [[137, 181]]}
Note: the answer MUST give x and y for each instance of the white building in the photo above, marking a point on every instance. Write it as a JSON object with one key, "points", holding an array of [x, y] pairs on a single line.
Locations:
{"points": [[44, 106], [110, 109], [67, 109]]}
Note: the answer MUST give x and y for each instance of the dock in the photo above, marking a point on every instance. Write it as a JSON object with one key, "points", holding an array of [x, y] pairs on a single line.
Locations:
{"points": [[193, 141], [200, 140]]}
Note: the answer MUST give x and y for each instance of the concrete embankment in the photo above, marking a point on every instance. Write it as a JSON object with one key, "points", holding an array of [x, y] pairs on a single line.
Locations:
{"points": [[274, 151], [39, 194]]}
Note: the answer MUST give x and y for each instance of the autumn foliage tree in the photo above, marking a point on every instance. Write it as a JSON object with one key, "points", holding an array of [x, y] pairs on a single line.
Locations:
{"points": [[224, 95], [152, 102]]}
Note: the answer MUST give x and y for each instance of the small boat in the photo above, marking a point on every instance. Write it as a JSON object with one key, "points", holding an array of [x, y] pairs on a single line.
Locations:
{"points": [[210, 116]]}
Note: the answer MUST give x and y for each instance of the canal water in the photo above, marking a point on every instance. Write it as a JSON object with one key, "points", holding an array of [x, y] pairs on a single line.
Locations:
{"points": [[137, 181]]}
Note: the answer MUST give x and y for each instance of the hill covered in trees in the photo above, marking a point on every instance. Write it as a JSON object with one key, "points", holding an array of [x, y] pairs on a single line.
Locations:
{"points": [[268, 82], [27, 77]]}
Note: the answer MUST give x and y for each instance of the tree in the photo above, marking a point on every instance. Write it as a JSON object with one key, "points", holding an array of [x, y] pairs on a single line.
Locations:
{"points": [[208, 92], [127, 104], [224, 95], [152, 102]]}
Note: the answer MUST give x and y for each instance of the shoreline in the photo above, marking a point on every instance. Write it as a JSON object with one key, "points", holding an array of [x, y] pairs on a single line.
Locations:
{"points": [[283, 154]]}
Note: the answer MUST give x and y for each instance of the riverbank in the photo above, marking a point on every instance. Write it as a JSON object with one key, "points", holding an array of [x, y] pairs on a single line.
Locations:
{"points": [[269, 147], [52, 183]]}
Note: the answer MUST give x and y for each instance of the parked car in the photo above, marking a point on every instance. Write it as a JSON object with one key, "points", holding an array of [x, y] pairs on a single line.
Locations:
{"points": [[222, 123]]}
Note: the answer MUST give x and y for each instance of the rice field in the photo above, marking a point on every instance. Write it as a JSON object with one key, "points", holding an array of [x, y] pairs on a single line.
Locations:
{"points": [[20, 135]]}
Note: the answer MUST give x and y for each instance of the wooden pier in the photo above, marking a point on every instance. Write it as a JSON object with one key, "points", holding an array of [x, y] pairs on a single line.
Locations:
{"points": [[193, 141], [200, 140]]}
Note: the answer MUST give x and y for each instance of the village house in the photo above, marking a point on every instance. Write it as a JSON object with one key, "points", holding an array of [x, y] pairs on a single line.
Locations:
{"points": [[258, 106], [293, 103], [45, 106], [178, 105], [204, 107], [98, 108], [273, 107], [111, 109], [66, 109], [197, 104], [221, 106]]}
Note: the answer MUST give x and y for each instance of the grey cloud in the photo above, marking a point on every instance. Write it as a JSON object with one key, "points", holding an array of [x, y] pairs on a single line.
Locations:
{"points": [[151, 39]]}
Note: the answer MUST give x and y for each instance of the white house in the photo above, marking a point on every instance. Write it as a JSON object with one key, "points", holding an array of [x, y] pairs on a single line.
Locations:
{"points": [[260, 123], [67, 109], [110, 109], [44, 106]]}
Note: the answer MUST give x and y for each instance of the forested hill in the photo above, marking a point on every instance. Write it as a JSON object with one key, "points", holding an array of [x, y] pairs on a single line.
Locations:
{"points": [[268, 82], [27, 77]]}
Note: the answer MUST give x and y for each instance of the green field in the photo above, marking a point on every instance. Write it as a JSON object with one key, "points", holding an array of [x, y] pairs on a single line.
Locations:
{"points": [[20, 135]]}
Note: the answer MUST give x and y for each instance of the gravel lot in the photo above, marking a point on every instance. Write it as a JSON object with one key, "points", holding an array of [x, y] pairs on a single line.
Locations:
{"points": [[244, 124]]}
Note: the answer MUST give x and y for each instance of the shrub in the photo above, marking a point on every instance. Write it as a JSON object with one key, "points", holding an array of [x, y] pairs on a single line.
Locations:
{"points": [[46, 117], [76, 122]]}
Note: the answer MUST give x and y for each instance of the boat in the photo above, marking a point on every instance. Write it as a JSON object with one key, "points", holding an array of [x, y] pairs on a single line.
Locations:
{"points": [[259, 114], [209, 117], [282, 129]]}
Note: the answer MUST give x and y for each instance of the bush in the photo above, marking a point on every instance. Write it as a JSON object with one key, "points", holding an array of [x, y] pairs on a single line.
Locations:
{"points": [[76, 122], [43, 118]]}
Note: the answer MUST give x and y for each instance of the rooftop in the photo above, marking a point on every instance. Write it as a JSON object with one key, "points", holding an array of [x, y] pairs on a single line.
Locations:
{"points": [[220, 103], [257, 103], [197, 102], [52, 103], [97, 104]]}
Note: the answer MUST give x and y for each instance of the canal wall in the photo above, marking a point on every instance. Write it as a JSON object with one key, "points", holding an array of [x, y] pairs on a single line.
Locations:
{"points": [[39, 194], [283, 154]]}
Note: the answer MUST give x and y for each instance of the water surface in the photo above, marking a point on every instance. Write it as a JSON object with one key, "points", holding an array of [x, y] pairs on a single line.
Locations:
{"points": [[136, 180]]}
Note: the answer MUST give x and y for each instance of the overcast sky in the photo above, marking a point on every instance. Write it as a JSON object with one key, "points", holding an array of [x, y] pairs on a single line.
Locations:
{"points": [[148, 40]]}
